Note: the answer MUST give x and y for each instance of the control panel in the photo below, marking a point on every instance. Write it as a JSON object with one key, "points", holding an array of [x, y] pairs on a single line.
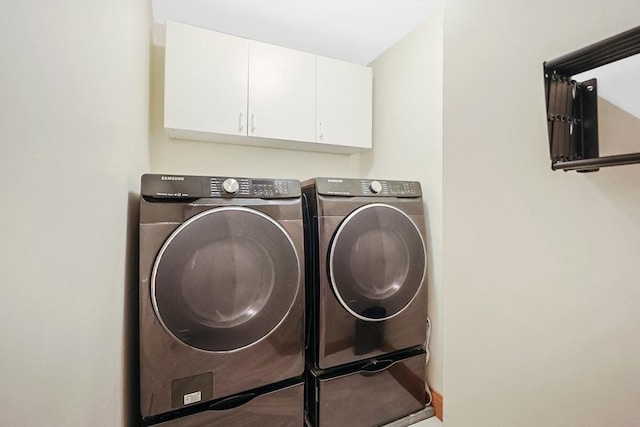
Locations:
{"points": [[181, 186], [367, 187]]}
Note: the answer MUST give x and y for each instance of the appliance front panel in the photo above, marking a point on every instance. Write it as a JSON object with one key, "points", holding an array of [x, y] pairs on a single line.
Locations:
{"points": [[165, 360], [373, 395], [183, 187], [280, 408], [344, 338]]}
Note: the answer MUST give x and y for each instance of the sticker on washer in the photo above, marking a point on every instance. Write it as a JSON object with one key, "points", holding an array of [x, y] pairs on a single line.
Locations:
{"points": [[194, 397]]}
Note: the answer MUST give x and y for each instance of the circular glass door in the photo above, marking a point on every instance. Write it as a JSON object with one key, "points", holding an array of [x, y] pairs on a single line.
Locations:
{"points": [[225, 279], [377, 262]]}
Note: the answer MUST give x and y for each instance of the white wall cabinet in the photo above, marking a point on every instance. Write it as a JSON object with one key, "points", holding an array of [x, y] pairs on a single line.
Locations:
{"points": [[282, 92], [206, 76], [343, 103], [229, 89]]}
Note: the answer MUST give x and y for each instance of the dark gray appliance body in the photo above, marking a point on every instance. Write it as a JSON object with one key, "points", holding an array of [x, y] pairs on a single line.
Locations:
{"points": [[366, 269], [373, 393], [221, 288], [280, 407]]}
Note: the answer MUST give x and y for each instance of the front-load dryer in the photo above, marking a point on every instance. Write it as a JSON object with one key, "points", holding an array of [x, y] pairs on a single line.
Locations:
{"points": [[221, 287], [366, 269]]}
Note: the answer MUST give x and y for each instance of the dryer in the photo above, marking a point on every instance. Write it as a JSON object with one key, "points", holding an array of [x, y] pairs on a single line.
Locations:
{"points": [[366, 269], [221, 287]]}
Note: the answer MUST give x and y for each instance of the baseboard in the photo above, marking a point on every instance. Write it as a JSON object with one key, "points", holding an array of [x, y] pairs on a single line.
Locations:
{"points": [[436, 402]]}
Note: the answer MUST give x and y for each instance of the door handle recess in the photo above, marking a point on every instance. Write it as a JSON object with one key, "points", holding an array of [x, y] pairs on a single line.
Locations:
{"points": [[375, 367], [232, 402]]}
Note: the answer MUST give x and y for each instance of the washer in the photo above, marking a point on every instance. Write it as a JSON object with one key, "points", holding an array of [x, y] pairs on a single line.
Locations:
{"points": [[221, 287], [366, 269]]}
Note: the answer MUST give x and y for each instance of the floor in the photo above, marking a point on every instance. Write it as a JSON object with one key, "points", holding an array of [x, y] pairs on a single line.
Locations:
{"points": [[429, 422]]}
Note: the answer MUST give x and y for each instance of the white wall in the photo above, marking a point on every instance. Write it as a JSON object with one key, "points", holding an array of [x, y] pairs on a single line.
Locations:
{"points": [[542, 297], [209, 158], [74, 81], [618, 130], [407, 139]]}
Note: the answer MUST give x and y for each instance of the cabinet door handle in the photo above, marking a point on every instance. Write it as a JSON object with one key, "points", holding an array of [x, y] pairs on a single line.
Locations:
{"points": [[253, 124], [321, 134], [240, 124]]}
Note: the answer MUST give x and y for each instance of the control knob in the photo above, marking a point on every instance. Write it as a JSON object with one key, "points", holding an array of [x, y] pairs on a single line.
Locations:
{"points": [[230, 186], [375, 187]]}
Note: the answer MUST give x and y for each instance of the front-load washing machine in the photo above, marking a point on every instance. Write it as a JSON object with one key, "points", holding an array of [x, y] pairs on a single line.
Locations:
{"points": [[221, 287], [366, 269]]}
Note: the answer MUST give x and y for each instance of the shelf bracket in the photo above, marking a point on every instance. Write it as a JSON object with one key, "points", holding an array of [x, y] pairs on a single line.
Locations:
{"points": [[572, 107]]}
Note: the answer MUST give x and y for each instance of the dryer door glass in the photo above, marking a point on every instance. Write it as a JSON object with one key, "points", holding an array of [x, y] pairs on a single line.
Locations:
{"points": [[225, 279], [377, 262]]}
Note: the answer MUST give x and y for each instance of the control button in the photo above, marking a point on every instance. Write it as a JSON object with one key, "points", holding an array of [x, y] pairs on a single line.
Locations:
{"points": [[230, 186], [375, 187]]}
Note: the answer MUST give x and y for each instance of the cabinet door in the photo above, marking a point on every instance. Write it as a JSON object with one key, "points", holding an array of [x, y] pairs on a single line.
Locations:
{"points": [[281, 93], [343, 103], [205, 80]]}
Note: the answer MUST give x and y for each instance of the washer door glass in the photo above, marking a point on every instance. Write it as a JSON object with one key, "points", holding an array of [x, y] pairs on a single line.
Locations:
{"points": [[225, 279], [377, 262]]}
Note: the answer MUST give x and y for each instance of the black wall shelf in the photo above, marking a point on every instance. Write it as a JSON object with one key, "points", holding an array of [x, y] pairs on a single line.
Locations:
{"points": [[572, 107]]}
